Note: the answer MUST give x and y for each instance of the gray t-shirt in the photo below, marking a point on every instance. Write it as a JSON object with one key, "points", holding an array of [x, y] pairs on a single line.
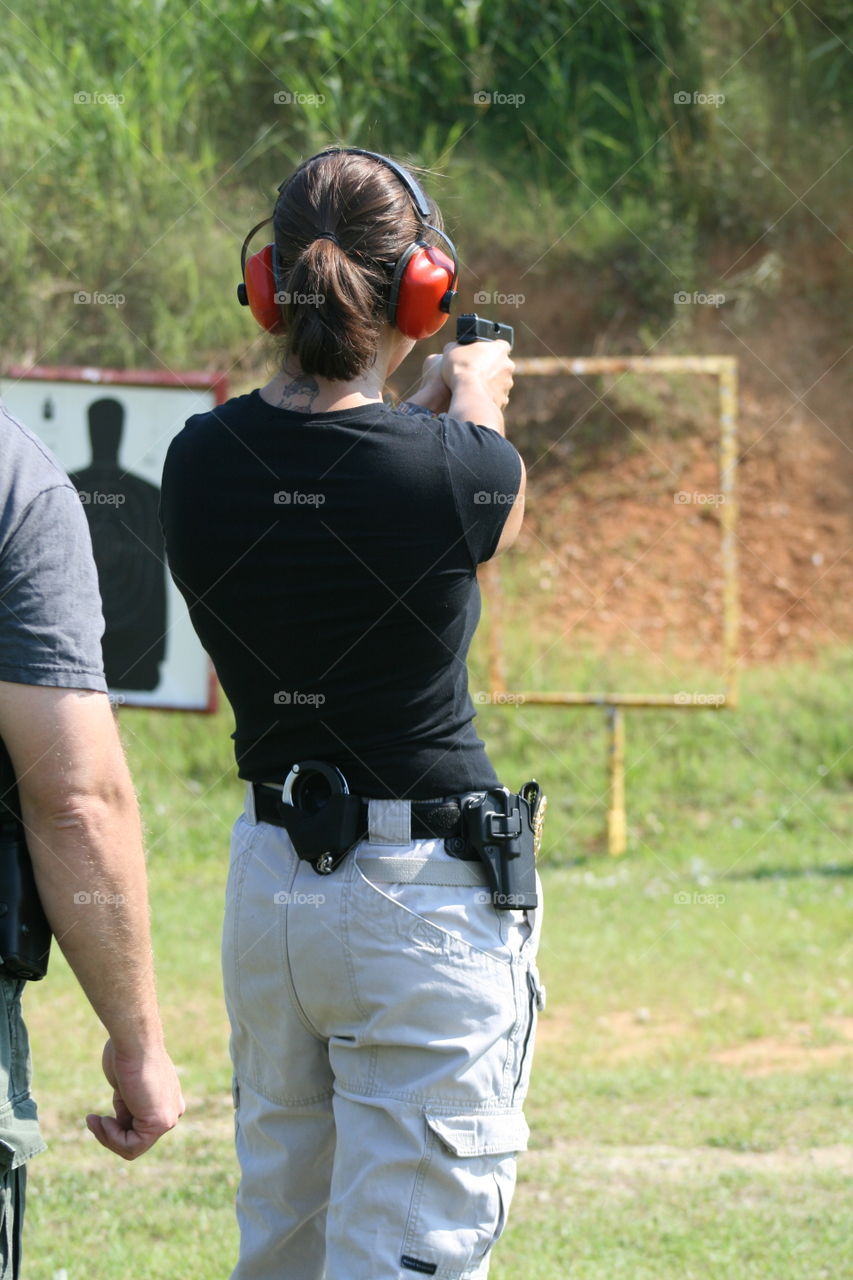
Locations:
{"points": [[51, 621]]}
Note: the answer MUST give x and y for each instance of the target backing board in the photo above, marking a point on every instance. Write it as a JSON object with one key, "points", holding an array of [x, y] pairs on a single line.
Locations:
{"points": [[110, 430]]}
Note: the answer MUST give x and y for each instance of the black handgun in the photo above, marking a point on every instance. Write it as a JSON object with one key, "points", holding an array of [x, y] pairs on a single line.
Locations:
{"points": [[503, 829], [471, 328]]}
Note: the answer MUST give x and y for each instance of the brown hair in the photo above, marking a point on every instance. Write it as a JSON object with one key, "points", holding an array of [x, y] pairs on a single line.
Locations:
{"points": [[340, 223]]}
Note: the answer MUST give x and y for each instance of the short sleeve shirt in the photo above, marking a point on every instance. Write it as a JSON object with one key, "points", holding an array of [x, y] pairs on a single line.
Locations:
{"points": [[51, 621], [329, 563]]}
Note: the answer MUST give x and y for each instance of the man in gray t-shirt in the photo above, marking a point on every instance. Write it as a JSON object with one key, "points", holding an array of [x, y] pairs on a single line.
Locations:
{"points": [[58, 735]]}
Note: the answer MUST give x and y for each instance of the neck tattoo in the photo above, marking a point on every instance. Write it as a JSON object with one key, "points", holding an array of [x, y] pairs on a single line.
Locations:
{"points": [[299, 394]]}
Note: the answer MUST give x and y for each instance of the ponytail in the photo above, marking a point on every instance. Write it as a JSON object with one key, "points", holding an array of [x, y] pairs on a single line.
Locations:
{"points": [[330, 310], [341, 223]]}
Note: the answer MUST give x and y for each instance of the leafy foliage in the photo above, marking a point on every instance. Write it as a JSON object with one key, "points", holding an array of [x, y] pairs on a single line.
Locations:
{"points": [[139, 139]]}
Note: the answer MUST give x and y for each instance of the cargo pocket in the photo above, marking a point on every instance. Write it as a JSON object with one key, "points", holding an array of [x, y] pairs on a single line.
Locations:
{"points": [[463, 1189], [19, 1129]]}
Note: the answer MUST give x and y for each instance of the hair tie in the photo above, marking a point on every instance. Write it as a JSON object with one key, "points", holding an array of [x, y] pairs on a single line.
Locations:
{"points": [[327, 235]]}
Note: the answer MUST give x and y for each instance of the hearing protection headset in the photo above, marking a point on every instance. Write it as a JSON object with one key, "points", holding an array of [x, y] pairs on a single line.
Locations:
{"points": [[422, 288]]}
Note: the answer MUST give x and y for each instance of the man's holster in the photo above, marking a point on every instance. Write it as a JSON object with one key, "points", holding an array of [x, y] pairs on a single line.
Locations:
{"points": [[24, 931]]}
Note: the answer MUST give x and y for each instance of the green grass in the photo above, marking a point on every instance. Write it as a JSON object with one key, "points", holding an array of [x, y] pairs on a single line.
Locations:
{"points": [[690, 1102]]}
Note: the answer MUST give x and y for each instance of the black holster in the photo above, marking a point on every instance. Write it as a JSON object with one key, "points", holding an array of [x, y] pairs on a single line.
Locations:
{"points": [[24, 931], [500, 828]]}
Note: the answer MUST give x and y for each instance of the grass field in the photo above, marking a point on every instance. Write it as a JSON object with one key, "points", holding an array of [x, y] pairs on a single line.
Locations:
{"points": [[690, 1102]]}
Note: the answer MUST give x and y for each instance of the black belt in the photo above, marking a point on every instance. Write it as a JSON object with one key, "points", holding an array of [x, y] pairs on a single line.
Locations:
{"points": [[440, 819]]}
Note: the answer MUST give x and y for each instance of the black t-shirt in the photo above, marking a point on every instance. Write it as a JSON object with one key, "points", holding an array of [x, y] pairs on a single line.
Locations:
{"points": [[329, 565]]}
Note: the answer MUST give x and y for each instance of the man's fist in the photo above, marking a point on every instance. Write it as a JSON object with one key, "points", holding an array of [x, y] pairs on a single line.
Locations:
{"points": [[146, 1097]]}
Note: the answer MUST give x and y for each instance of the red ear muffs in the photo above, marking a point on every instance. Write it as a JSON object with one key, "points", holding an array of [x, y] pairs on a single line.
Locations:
{"points": [[258, 290], [421, 291], [422, 288]]}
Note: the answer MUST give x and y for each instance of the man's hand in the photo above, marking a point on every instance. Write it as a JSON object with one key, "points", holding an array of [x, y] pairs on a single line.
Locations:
{"points": [[486, 365], [147, 1100]]}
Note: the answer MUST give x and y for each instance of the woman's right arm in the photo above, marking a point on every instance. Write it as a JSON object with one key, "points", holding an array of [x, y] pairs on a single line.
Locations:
{"points": [[479, 376]]}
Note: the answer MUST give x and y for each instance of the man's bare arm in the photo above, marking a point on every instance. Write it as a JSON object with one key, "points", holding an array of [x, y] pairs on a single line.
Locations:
{"points": [[84, 836]]}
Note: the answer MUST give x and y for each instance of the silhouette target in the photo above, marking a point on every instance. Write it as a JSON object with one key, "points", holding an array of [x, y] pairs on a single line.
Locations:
{"points": [[122, 510]]}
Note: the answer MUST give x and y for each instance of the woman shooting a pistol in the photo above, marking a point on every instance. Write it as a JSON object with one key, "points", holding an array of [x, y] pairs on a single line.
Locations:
{"points": [[380, 981]]}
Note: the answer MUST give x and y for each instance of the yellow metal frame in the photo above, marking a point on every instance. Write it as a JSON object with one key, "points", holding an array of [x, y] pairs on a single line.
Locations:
{"points": [[725, 369]]}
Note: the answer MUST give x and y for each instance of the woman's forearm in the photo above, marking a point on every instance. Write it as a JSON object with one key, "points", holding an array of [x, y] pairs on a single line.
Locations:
{"points": [[471, 402]]}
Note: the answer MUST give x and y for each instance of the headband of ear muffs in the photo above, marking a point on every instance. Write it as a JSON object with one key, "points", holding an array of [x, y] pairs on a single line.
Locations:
{"points": [[422, 288]]}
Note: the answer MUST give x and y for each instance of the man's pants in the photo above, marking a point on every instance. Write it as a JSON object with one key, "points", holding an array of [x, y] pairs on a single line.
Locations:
{"points": [[382, 1036], [12, 1194]]}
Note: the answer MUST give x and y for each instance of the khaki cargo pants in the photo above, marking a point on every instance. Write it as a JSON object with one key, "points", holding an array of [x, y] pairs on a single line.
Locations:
{"points": [[382, 1023]]}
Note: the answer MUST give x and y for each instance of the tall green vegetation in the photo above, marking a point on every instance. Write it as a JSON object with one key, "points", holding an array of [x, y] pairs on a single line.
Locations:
{"points": [[138, 138]]}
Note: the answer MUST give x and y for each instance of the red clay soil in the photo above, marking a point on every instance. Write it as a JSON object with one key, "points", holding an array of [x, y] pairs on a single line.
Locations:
{"points": [[619, 561], [623, 561]]}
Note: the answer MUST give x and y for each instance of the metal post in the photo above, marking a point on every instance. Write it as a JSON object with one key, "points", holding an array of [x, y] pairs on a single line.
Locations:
{"points": [[728, 523], [616, 833]]}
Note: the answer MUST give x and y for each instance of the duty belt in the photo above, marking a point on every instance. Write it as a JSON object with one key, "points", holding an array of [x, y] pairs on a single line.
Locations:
{"points": [[496, 827], [430, 819]]}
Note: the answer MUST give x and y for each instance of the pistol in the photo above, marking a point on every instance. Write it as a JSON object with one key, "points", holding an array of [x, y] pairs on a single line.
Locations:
{"points": [[472, 328]]}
